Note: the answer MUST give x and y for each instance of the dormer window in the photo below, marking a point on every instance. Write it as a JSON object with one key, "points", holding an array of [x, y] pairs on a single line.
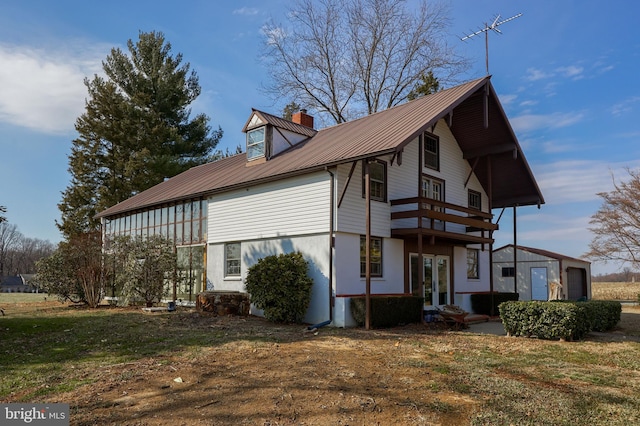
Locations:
{"points": [[256, 143]]}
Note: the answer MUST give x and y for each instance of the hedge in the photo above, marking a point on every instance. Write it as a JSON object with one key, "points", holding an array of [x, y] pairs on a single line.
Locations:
{"points": [[388, 311], [553, 320], [481, 302]]}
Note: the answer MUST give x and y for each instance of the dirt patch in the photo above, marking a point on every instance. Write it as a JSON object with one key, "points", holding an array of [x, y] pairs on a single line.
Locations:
{"points": [[249, 371], [332, 377]]}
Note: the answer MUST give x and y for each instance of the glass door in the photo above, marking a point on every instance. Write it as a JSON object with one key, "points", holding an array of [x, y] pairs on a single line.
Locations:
{"points": [[436, 279]]}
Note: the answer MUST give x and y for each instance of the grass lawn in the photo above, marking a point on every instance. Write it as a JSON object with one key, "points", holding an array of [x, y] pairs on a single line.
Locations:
{"points": [[123, 366]]}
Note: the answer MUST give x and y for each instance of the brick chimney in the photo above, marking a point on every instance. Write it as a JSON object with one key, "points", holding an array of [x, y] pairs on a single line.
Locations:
{"points": [[301, 117]]}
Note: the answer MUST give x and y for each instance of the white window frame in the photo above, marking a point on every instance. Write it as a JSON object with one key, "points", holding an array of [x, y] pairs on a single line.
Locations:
{"points": [[433, 155], [256, 148], [473, 264], [235, 273], [374, 264]]}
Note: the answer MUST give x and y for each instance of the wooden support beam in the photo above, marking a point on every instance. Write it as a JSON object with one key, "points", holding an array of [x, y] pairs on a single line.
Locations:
{"points": [[346, 184]]}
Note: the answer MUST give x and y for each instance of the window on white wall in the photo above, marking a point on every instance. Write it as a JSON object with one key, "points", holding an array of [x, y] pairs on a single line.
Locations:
{"points": [[431, 151], [376, 256], [508, 271], [378, 176], [473, 264], [475, 200], [232, 259]]}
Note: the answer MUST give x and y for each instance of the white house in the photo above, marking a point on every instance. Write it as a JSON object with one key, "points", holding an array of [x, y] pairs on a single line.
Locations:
{"points": [[436, 168], [536, 273]]}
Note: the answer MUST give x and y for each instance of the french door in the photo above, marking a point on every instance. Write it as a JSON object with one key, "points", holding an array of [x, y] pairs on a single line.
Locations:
{"points": [[437, 287]]}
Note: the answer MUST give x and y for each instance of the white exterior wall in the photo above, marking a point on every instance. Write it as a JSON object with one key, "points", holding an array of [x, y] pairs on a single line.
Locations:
{"points": [[296, 206], [348, 281], [464, 286], [274, 218], [454, 170], [352, 212], [315, 249], [556, 271]]}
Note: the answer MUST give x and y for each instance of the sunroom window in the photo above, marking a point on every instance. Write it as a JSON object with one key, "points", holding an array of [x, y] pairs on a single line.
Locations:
{"points": [[255, 143]]}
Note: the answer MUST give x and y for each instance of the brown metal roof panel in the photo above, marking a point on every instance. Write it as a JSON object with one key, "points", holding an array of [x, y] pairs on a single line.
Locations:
{"points": [[378, 133], [281, 123]]}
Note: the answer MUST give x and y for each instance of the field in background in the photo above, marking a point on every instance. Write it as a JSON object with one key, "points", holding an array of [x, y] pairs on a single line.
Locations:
{"points": [[615, 291], [11, 298], [624, 291]]}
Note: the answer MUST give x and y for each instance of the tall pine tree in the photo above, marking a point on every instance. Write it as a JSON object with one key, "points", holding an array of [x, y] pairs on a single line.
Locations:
{"points": [[135, 132]]}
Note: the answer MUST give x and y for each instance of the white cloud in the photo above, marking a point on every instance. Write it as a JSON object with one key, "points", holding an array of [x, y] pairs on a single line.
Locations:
{"points": [[245, 11], [571, 71], [578, 180], [534, 74], [273, 34], [530, 122], [508, 99], [528, 103], [625, 106], [44, 90]]}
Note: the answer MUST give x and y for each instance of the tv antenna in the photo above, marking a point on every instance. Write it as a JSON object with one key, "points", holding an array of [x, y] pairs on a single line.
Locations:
{"points": [[494, 26]]}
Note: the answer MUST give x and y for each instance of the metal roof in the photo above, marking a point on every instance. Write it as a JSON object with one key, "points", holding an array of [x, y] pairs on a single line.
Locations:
{"points": [[542, 252], [385, 132], [280, 123]]}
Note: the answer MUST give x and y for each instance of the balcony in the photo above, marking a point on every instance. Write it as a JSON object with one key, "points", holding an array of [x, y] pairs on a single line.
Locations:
{"points": [[416, 216]]}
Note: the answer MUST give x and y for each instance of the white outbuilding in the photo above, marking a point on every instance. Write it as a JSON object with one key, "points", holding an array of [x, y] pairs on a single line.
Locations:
{"points": [[538, 274]]}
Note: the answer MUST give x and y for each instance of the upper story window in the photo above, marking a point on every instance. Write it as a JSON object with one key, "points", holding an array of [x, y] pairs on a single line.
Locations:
{"points": [[431, 151], [378, 178], [256, 143], [475, 200]]}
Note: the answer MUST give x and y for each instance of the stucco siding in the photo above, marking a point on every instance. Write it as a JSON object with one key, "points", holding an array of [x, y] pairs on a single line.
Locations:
{"points": [[315, 249], [347, 264], [290, 207]]}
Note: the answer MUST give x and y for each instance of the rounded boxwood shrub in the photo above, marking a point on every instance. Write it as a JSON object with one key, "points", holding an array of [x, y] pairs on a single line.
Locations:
{"points": [[281, 287]]}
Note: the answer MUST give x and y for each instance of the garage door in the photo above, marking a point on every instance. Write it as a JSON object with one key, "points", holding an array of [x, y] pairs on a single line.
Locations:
{"points": [[576, 283]]}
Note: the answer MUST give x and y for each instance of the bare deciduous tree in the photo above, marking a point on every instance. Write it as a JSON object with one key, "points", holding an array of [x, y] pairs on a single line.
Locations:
{"points": [[616, 225], [75, 270], [9, 236], [346, 58]]}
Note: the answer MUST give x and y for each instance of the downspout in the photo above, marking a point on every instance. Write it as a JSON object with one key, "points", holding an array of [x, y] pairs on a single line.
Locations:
{"points": [[367, 183], [490, 209], [515, 252], [331, 242]]}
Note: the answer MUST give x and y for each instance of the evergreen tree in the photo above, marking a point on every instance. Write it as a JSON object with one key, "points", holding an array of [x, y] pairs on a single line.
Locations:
{"points": [[290, 109], [427, 85], [135, 132]]}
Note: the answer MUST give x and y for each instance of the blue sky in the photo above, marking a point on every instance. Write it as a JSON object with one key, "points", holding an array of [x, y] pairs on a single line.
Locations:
{"points": [[566, 73]]}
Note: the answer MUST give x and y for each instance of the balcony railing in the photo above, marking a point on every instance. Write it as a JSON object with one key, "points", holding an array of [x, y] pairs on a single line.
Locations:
{"points": [[432, 218]]}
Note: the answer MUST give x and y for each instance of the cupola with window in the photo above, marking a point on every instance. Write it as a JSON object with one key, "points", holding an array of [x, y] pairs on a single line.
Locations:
{"points": [[268, 135]]}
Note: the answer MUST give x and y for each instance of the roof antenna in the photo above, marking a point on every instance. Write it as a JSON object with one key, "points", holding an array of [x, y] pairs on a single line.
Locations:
{"points": [[485, 30]]}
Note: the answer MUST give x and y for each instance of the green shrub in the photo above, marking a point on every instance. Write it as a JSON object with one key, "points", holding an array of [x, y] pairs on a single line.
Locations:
{"points": [[481, 302], [553, 320], [281, 287], [388, 311], [603, 315]]}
